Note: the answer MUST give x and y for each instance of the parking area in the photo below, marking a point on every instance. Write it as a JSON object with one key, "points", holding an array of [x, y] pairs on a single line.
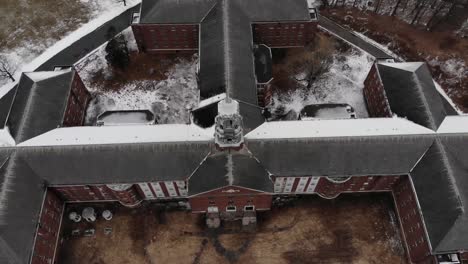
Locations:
{"points": [[350, 229]]}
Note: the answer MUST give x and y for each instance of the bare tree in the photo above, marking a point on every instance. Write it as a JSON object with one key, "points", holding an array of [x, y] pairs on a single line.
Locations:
{"points": [[7, 69], [432, 21], [315, 62], [395, 8]]}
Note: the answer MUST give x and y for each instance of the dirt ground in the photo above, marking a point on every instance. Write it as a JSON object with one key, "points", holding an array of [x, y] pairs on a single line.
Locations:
{"points": [[142, 66], [415, 44], [292, 61], [37, 21], [349, 229]]}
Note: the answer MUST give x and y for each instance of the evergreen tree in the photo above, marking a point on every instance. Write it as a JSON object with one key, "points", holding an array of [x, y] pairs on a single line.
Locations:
{"points": [[117, 52]]}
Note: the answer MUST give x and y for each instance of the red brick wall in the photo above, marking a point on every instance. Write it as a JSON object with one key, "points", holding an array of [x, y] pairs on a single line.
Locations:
{"points": [[82, 193], [221, 198], [284, 34], [464, 256], [129, 197], [48, 229], [377, 103], [411, 222], [154, 38], [264, 94], [77, 103], [329, 189]]}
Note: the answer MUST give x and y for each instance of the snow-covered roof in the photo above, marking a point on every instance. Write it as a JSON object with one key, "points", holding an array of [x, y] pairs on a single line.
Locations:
{"points": [[228, 108], [211, 100], [43, 75], [454, 124], [6, 139], [407, 66], [337, 128], [119, 135]]}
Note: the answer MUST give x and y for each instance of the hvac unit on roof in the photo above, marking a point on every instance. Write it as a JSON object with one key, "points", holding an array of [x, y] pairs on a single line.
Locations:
{"points": [[89, 214]]}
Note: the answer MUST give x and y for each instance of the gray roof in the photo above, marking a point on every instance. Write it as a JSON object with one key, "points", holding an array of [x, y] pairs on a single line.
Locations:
{"points": [[226, 54], [5, 106], [436, 193], [174, 11], [227, 61], [455, 146], [5, 154], [116, 163], [193, 11], [278, 10], [212, 65], [225, 169], [252, 116], [263, 63], [20, 100], [412, 94], [20, 211], [39, 106], [340, 156]]}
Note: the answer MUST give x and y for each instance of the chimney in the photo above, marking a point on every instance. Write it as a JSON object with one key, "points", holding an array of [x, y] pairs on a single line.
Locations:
{"points": [[228, 125]]}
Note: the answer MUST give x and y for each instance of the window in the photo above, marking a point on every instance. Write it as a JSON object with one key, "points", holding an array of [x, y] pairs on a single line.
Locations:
{"points": [[231, 208], [249, 208]]}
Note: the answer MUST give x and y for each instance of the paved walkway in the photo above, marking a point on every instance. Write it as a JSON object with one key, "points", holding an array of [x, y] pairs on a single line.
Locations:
{"points": [[351, 38]]}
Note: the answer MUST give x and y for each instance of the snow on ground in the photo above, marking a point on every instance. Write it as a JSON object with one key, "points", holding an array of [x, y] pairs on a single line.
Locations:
{"points": [[28, 56], [170, 100], [342, 84], [454, 67]]}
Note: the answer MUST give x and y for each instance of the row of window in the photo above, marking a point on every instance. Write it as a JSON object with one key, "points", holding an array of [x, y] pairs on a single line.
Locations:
{"points": [[279, 27], [231, 208], [417, 242]]}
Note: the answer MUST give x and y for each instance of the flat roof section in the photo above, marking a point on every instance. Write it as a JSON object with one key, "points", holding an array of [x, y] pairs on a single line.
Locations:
{"points": [[263, 63]]}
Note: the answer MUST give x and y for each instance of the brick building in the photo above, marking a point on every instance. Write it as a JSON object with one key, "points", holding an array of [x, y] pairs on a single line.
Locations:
{"points": [[420, 159]]}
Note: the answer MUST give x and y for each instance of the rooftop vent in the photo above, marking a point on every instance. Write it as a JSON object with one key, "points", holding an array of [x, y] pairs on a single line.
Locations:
{"points": [[126, 117]]}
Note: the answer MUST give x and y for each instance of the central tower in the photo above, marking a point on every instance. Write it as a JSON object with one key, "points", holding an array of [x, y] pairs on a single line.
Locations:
{"points": [[228, 125]]}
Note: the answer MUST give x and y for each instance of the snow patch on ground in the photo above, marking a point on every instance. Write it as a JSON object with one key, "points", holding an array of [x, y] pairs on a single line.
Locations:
{"points": [[463, 31], [343, 83], [31, 55], [170, 99], [454, 67], [314, 3], [131, 42]]}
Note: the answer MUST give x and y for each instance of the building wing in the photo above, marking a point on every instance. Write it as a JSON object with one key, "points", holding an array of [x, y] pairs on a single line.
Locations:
{"points": [[230, 169], [412, 94]]}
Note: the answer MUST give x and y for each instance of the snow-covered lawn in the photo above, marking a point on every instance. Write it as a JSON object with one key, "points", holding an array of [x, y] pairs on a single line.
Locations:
{"points": [[170, 98], [25, 52], [343, 83]]}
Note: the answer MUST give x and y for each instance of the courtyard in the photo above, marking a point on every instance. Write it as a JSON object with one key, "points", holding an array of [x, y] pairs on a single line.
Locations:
{"points": [[354, 228], [327, 71], [165, 84]]}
